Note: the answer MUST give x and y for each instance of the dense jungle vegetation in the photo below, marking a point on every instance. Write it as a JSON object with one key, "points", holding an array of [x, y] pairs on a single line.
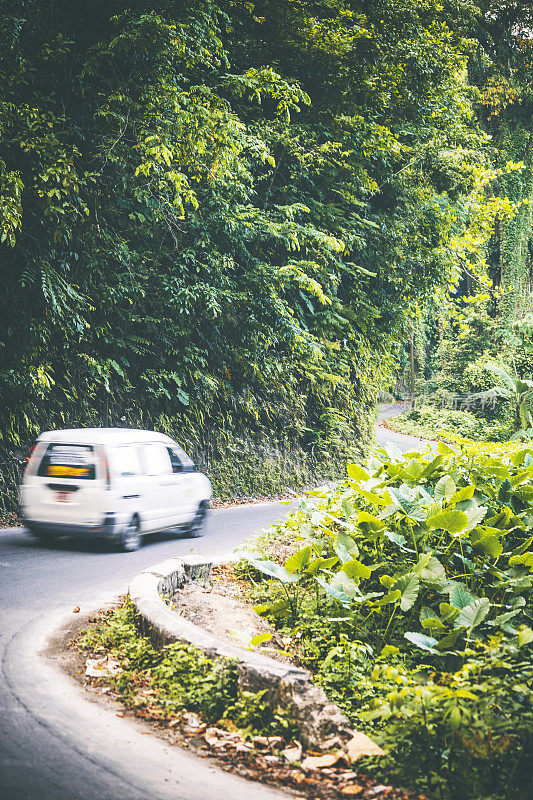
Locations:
{"points": [[221, 219], [408, 593], [478, 333]]}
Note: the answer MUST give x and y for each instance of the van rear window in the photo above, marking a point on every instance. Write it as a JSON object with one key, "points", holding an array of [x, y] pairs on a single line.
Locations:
{"points": [[68, 461]]}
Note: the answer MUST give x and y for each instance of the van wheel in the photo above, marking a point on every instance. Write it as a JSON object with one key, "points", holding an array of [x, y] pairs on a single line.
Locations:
{"points": [[197, 526], [130, 538], [43, 536]]}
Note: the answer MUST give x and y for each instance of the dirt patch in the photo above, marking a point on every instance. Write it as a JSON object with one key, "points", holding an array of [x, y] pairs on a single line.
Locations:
{"points": [[218, 502], [224, 613], [257, 758]]}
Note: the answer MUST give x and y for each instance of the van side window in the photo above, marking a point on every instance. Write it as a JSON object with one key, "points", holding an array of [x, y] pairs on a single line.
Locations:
{"points": [[156, 460], [180, 460], [125, 461], [178, 464]]}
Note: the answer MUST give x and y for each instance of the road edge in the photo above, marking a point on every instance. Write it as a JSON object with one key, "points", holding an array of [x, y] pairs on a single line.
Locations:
{"points": [[317, 718]]}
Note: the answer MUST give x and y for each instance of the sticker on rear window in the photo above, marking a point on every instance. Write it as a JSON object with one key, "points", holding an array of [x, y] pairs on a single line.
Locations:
{"points": [[68, 461]]}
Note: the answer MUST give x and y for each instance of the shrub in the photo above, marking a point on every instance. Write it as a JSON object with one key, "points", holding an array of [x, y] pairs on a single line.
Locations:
{"points": [[435, 423], [410, 599]]}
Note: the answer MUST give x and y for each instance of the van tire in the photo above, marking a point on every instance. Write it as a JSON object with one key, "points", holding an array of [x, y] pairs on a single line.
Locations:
{"points": [[130, 537], [43, 536], [196, 527]]}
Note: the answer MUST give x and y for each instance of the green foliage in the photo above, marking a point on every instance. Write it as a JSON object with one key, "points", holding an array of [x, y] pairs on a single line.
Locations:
{"points": [[163, 682], [216, 219], [412, 605], [467, 733], [520, 392], [448, 424]]}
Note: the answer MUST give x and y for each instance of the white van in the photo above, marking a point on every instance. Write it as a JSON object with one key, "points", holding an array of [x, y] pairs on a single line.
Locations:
{"points": [[118, 483]]}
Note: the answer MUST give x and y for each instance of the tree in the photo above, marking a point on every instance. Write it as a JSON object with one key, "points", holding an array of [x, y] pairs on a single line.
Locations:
{"points": [[218, 219]]}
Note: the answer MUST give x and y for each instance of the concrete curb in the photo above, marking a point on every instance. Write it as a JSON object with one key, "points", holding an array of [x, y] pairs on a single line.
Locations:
{"points": [[287, 686]]}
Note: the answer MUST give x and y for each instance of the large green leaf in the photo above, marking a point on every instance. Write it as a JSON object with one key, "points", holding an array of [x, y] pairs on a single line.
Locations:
{"points": [[432, 466], [524, 493], [364, 518], [449, 641], [373, 497], [278, 609], [320, 563], [523, 560], [465, 493], [409, 586], [421, 640], [445, 488], [459, 595], [343, 583], [298, 560], [413, 469], [357, 473], [486, 540], [411, 508], [473, 614], [507, 379], [390, 597], [355, 569], [338, 594], [450, 520], [432, 624], [475, 515], [448, 612], [345, 547], [525, 636], [431, 571], [261, 638], [429, 619], [273, 570]]}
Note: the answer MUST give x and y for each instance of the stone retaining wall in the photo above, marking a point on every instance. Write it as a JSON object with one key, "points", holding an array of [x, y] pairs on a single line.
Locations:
{"points": [[288, 686]]}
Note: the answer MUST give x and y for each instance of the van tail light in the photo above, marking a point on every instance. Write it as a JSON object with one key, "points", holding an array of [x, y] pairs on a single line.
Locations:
{"points": [[105, 468], [33, 458]]}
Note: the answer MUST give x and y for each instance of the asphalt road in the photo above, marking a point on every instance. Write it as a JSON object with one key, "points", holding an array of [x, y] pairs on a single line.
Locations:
{"points": [[399, 440], [55, 744]]}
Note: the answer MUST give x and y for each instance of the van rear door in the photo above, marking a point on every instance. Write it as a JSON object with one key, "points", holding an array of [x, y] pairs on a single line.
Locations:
{"points": [[69, 486]]}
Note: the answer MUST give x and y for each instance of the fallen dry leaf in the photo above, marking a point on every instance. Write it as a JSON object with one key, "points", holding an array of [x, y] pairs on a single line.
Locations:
{"points": [[293, 753], [192, 720], [297, 776], [352, 789], [361, 745], [76, 610], [328, 760], [245, 747], [212, 736], [329, 744], [98, 667]]}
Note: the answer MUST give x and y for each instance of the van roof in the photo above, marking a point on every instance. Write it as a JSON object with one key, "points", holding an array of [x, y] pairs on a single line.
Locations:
{"points": [[104, 436]]}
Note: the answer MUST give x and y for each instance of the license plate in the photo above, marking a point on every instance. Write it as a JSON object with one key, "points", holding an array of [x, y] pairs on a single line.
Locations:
{"points": [[62, 497]]}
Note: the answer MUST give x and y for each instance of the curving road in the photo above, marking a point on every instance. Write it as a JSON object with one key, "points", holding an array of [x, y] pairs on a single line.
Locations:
{"points": [[400, 440], [55, 744]]}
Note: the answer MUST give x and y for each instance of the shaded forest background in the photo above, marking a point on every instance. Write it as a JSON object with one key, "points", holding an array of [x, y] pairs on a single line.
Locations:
{"points": [[225, 220]]}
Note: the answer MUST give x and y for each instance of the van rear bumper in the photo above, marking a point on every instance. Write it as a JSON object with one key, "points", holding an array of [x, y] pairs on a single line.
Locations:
{"points": [[108, 529]]}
